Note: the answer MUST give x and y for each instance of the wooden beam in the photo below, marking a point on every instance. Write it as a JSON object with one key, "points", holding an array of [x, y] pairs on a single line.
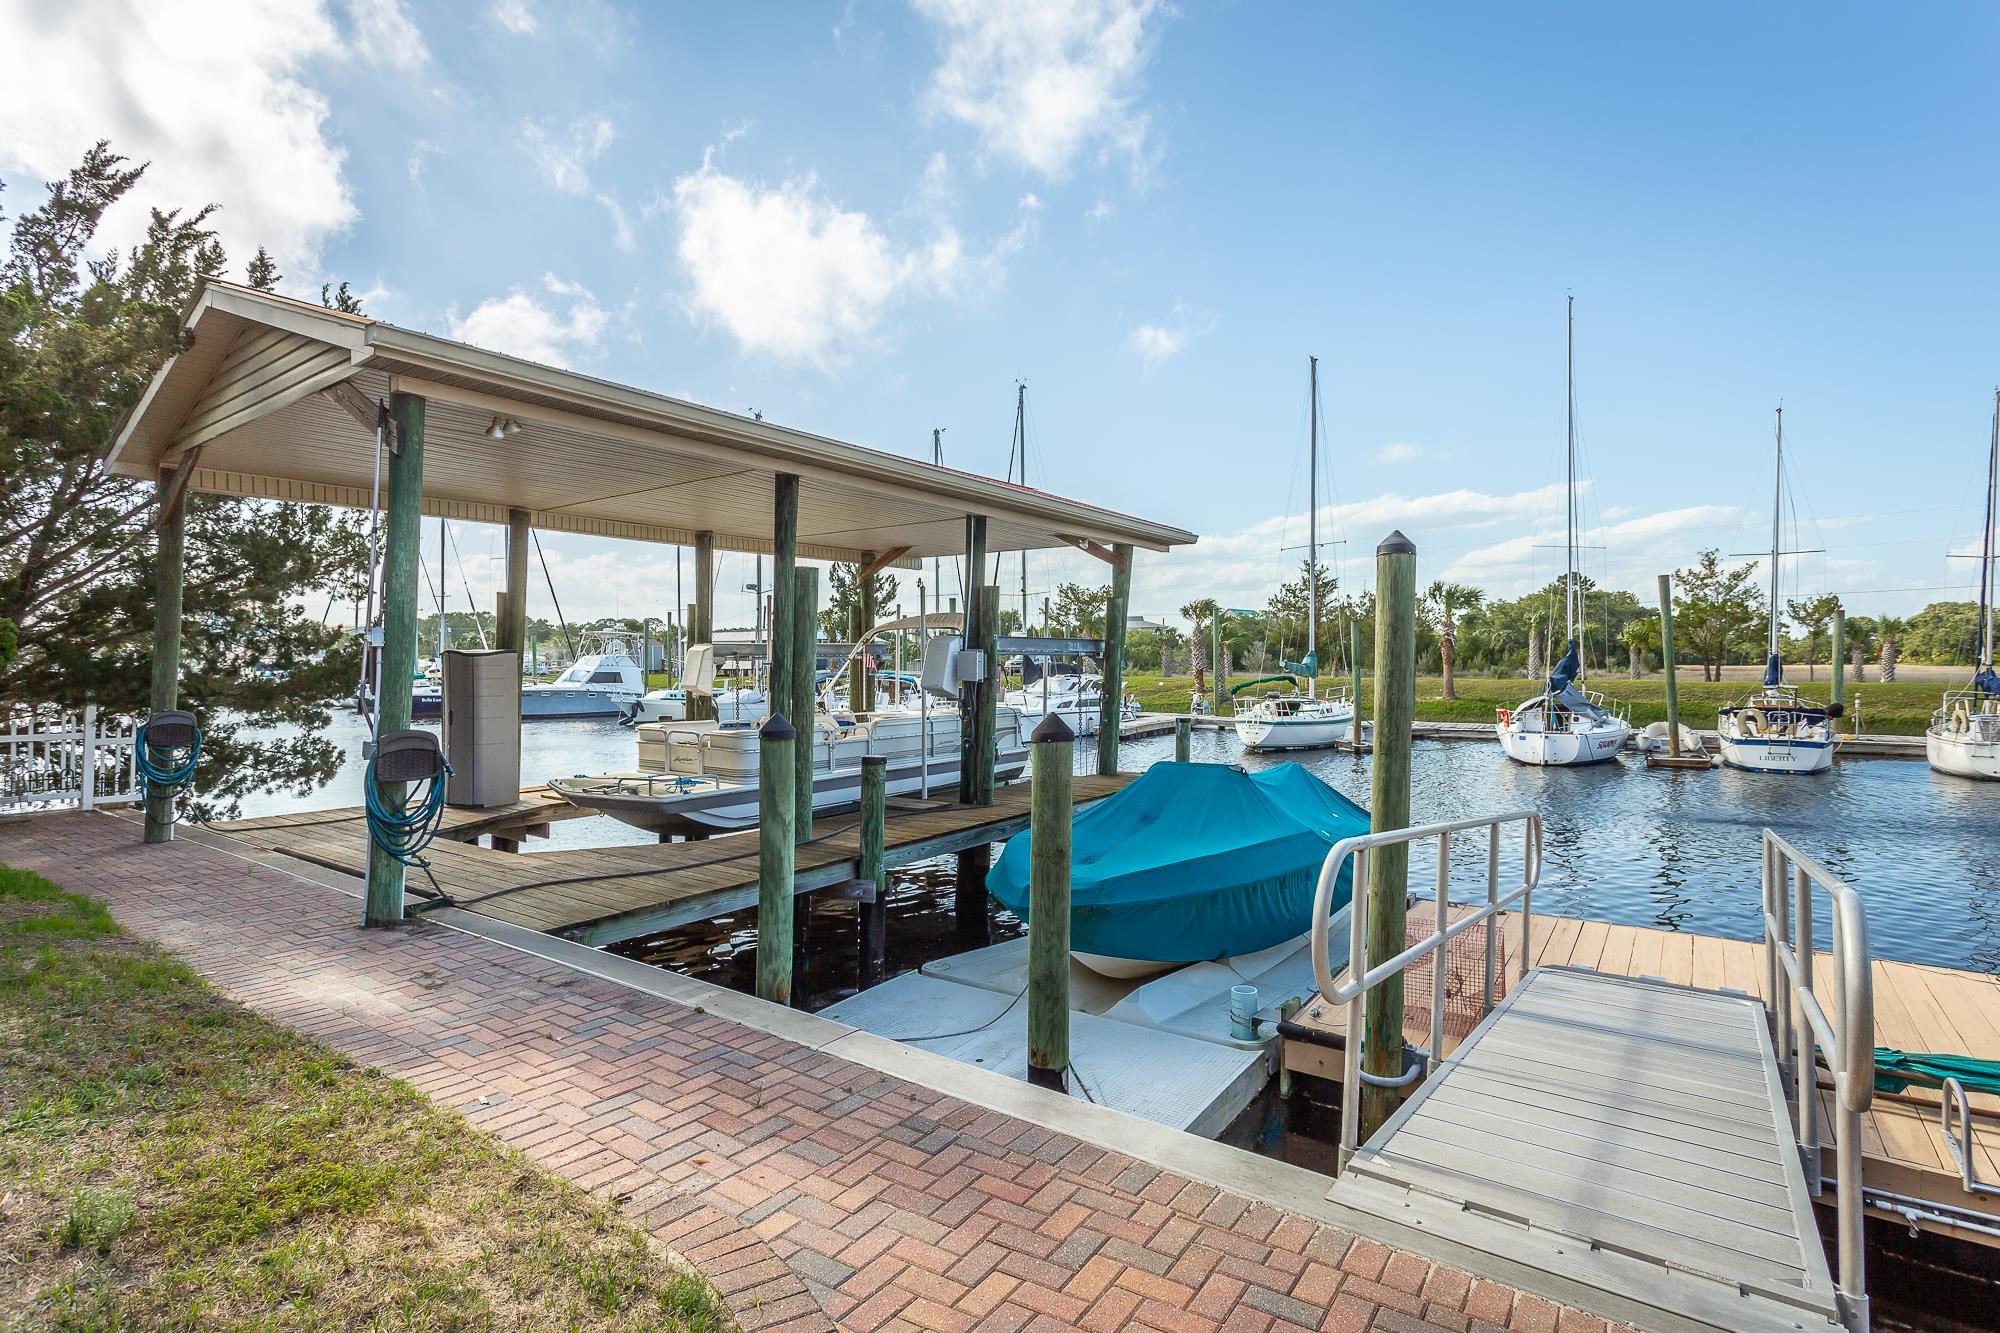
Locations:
{"points": [[1108, 554], [173, 484], [365, 410], [881, 562]]}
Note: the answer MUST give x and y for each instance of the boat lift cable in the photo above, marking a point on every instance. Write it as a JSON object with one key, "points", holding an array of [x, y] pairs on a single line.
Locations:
{"points": [[552, 593]]}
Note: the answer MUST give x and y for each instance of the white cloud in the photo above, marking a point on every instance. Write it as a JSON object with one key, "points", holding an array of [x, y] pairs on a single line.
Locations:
{"points": [[566, 159], [385, 34], [420, 154], [214, 95], [1401, 452], [1630, 555], [1100, 211], [788, 271], [1157, 342], [516, 16], [554, 332], [1043, 82]]}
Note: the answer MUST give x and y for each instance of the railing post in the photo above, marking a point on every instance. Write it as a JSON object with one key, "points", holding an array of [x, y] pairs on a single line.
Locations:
{"points": [[1443, 950], [1805, 1076], [1854, 1003], [1357, 1018], [87, 787], [1492, 922]]}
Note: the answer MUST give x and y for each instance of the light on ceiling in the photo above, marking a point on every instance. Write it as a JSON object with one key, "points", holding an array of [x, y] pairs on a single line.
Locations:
{"points": [[502, 427]]}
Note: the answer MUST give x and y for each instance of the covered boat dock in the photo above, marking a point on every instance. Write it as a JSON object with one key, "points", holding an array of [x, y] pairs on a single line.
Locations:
{"points": [[280, 400]]}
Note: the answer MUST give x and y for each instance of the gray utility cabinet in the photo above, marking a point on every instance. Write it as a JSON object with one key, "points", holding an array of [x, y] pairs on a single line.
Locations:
{"points": [[482, 727]]}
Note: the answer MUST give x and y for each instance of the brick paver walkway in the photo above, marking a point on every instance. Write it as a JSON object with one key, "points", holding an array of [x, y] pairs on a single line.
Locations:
{"points": [[816, 1193]]}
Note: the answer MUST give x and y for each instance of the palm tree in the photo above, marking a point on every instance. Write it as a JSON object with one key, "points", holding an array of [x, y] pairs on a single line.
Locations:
{"points": [[1441, 605], [1199, 613], [1888, 629], [1860, 643], [1640, 636]]}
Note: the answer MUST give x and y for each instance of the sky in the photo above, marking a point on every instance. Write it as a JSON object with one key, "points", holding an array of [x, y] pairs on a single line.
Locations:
{"points": [[875, 219]]}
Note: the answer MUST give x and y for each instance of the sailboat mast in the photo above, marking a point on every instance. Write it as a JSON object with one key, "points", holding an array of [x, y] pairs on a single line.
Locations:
{"points": [[1986, 549], [1777, 508], [1312, 538], [1569, 451], [440, 593]]}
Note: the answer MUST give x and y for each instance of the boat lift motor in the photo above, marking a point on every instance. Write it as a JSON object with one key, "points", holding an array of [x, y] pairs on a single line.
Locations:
{"points": [[404, 825], [166, 751]]}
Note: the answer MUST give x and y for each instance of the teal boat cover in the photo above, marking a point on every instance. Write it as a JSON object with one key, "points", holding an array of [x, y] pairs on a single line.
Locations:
{"points": [[1896, 1070], [1195, 861]]}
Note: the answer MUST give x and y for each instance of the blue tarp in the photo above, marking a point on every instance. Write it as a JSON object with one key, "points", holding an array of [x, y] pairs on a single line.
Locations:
{"points": [[1195, 861], [1562, 685], [1986, 682]]}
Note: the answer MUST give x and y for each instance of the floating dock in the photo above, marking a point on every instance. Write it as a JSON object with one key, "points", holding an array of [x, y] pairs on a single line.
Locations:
{"points": [[1917, 1008], [601, 895]]}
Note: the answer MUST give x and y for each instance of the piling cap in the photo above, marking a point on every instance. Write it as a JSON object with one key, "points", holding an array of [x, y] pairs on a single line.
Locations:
{"points": [[874, 760], [777, 729], [1396, 544], [1053, 728]]}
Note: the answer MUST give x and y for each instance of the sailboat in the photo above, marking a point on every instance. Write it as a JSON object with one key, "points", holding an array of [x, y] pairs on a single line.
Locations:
{"points": [[1775, 730], [1565, 724], [1964, 736], [1295, 721]]}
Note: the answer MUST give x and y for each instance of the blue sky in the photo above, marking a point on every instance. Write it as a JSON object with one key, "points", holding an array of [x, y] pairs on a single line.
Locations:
{"points": [[873, 219]]}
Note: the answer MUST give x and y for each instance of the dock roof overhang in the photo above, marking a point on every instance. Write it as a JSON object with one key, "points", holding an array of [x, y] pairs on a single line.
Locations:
{"points": [[253, 408]]}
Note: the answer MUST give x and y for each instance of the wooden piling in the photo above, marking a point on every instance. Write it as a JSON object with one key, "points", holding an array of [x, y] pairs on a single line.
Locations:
{"points": [[1667, 661], [1354, 668], [1050, 811], [1840, 658], [803, 649], [1111, 695], [1388, 878], [985, 737], [860, 699], [701, 627], [1183, 740], [776, 754], [399, 628], [969, 692], [168, 568], [512, 631], [874, 825]]}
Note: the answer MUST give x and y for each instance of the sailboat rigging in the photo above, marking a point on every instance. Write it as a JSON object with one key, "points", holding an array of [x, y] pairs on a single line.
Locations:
{"points": [[1565, 724], [1963, 738], [1295, 720]]}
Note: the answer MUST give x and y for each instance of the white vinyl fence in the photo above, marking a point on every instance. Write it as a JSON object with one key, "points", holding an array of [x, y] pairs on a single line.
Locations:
{"points": [[53, 758]]}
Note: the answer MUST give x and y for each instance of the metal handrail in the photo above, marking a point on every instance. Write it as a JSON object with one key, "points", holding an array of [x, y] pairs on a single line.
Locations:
{"points": [[1361, 978], [1848, 1037]]}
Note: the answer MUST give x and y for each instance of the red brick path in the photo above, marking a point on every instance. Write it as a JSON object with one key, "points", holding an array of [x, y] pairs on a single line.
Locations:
{"points": [[814, 1192]]}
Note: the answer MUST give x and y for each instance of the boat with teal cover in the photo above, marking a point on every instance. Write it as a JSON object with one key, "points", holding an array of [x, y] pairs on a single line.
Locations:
{"points": [[1193, 862]]}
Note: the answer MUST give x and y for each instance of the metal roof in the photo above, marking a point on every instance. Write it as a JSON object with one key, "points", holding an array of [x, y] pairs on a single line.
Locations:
{"points": [[252, 404]]}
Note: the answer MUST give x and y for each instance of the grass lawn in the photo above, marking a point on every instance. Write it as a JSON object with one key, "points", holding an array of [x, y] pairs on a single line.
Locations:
{"points": [[1903, 708], [170, 1161]]}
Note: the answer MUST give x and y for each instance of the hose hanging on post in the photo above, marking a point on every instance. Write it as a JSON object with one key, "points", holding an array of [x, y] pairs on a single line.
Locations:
{"points": [[177, 737], [405, 826]]}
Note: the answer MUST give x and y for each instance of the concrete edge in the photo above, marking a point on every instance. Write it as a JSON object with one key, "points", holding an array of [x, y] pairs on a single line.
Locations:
{"points": [[1263, 1179]]}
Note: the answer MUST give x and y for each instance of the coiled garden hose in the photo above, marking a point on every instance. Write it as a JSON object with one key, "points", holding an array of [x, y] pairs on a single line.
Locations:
{"points": [[404, 828]]}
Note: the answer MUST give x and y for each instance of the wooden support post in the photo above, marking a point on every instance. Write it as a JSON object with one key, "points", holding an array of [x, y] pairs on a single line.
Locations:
{"points": [[874, 821], [401, 532], [1354, 668], [969, 894], [860, 699], [702, 625], [985, 735], [168, 565], [778, 632], [1388, 878], [777, 746], [1111, 695], [1840, 658], [513, 626], [1667, 661], [968, 693], [1051, 808], [804, 648], [1183, 740]]}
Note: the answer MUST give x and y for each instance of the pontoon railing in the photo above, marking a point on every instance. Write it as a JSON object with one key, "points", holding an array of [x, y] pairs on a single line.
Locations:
{"points": [[1360, 978], [1801, 1029]]}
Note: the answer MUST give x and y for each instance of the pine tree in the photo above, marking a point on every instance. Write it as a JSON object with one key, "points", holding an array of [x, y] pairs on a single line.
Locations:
{"points": [[263, 272]]}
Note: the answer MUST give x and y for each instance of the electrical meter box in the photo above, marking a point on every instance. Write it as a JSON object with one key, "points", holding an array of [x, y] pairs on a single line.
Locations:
{"points": [[482, 727]]}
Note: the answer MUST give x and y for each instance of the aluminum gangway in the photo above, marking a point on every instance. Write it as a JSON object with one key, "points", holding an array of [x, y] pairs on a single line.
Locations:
{"points": [[1627, 1146]]}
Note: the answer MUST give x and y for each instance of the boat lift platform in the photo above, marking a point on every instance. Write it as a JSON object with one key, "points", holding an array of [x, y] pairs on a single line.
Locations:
{"points": [[1646, 1149]]}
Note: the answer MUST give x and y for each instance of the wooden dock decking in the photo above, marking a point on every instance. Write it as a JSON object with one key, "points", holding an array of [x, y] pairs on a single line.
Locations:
{"points": [[601, 895], [528, 817], [1917, 1008]]}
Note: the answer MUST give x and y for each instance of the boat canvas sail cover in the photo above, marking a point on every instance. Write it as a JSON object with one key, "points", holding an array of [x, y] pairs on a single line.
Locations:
{"points": [[1194, 862], [1774, 671], [1986, 682], [1562, 685]]}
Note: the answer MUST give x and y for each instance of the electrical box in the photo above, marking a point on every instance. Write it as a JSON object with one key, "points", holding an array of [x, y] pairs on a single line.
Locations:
{"points": [[482, 727], [969, 667]]}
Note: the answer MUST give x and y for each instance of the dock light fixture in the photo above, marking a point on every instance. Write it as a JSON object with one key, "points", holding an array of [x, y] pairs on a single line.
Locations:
{"points": [[502, 427]]}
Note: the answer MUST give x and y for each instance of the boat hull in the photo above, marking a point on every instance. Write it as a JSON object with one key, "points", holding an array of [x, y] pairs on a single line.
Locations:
{"points": [[1775, 754], [1562, 749], [1963, 755], [1270, 735], [671, 803], [540, 704]]}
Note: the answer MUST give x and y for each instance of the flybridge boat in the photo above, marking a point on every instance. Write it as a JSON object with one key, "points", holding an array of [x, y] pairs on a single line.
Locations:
{"points": [[1566, 724], [701, 777], [591, 687], [1076, 699], [1776, 730], [1295, 720], [1963, 738]]}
